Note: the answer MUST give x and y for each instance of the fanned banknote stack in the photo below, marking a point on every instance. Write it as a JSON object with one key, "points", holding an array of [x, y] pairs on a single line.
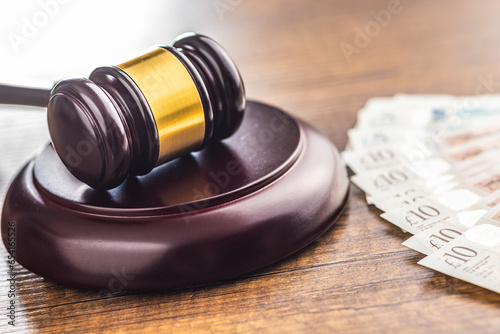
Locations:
{"points": [[432, 164]]}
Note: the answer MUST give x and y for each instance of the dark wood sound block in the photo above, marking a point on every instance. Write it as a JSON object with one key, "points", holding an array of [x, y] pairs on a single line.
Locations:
{"points": [[238, 205]]}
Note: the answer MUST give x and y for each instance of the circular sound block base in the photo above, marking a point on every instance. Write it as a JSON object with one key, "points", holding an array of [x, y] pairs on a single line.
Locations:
{"points": [[236, 206]]}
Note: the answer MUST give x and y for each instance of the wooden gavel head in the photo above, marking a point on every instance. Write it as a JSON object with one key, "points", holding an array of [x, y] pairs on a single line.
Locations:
{"points": [[130, 118]]}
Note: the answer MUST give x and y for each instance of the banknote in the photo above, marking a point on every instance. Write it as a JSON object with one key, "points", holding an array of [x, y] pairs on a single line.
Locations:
{"points": [[428, 162], [443, 232], [473, 256]]}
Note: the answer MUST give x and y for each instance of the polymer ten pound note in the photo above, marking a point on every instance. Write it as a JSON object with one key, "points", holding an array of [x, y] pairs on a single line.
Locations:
{"points": [[474, 255], [429, 163]]}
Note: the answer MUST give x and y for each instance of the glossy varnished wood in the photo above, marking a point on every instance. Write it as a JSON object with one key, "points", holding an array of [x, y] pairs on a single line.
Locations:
{"points": [[357, 278], [237, 206], [104, 128]]}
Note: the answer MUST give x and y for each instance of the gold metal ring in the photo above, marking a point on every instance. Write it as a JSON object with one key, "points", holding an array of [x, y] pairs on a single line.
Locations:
{"points": [[173, 98]]}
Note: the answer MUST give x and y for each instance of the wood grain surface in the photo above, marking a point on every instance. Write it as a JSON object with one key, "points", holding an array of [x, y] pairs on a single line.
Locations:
{"points": [[357, 278]]}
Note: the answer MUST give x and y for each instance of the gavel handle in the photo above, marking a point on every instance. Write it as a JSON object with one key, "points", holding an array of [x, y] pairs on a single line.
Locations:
{"points": [[28, 96]]}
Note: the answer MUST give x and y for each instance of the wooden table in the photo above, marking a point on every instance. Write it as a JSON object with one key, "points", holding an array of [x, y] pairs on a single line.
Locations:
{"points": [[357, 277]]}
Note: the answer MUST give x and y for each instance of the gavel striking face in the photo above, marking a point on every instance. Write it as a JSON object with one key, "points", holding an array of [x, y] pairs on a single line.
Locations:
{"points": [[130, 118]]}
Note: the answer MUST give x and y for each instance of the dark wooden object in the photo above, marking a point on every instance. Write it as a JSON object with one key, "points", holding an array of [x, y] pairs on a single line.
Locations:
{"points": [[24, 95], [261, 195], [103, 128]]}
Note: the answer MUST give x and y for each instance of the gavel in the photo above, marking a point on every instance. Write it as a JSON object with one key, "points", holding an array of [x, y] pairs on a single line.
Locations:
{"points": [[133, 117]]}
